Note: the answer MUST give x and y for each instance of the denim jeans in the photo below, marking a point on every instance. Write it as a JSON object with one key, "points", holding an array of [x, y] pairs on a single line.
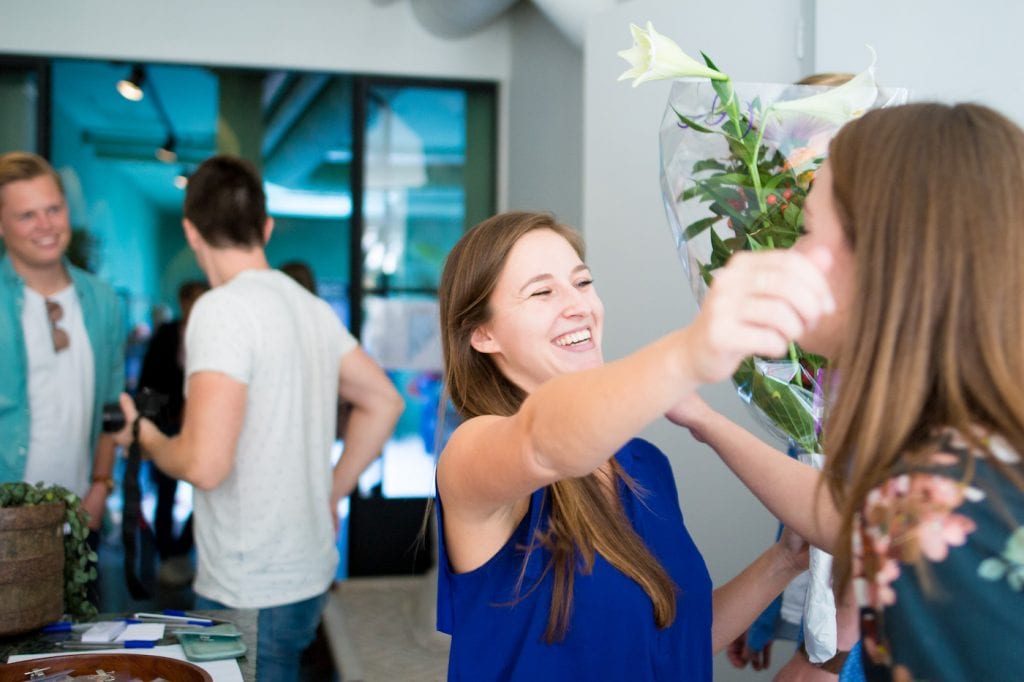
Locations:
{"points": [[284, 633]]}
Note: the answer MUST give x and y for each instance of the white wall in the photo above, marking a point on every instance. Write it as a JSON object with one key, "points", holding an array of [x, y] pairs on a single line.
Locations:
{"points": [[335, 35], [545, 110], [330, 35], [948, 50], [630, 247]]}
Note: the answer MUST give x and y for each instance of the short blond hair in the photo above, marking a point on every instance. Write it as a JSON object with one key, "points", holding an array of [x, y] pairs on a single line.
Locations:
{"points": [[19, 166]]}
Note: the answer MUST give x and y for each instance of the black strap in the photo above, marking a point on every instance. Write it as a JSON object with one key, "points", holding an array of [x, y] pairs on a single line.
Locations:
{"points": [[131, 513]]}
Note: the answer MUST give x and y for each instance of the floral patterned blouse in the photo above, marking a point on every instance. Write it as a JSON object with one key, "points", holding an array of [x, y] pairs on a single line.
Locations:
{"points": [[939, 568]]}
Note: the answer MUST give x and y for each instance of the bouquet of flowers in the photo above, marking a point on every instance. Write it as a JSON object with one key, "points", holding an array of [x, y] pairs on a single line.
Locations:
{"points": [[737, 160]]}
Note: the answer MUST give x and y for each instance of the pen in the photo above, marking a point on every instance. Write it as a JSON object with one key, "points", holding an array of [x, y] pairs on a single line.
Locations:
{"points": [[196, 616], [127, 644], [66, 626], [168, 618]]}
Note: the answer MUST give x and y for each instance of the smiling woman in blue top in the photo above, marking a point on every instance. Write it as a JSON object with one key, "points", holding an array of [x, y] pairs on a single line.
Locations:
{"points": [[563, 553]]}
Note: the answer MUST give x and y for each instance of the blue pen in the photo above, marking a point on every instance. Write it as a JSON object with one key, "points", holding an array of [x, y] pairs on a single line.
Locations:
{"points": [[194, 616], [127, 644]]}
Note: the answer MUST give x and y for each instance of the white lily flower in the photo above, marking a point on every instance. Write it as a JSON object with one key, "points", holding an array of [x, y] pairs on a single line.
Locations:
{"points": [[836, 105], [656, 57], [801, 128]]}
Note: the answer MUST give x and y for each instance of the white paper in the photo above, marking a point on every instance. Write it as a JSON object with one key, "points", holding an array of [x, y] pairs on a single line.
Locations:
{"points": [[226, 670], [103, 632], [149, 632], [820, 607], [793, 599]]}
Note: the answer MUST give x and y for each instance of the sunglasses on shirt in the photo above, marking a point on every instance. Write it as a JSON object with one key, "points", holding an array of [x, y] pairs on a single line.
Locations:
{"points": [[60, 337]]}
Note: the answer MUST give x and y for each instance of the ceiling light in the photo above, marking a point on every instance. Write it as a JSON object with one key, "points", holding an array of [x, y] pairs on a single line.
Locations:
{"points": [[131, 87], [168, 152]]}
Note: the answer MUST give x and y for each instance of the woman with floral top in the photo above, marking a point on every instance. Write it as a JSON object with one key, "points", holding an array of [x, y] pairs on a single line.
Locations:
{"points": [[922, 208]]}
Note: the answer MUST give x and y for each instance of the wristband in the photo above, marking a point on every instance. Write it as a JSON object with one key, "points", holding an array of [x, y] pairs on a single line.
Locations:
{"points": [[832, 665], [107, 481]]}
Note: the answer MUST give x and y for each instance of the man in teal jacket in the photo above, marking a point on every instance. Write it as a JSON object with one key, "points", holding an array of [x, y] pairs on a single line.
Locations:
{"points": [[62, 342]]}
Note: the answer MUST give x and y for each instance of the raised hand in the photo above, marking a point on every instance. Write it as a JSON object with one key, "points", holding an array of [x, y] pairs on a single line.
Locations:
{"points": [[757, 304]]}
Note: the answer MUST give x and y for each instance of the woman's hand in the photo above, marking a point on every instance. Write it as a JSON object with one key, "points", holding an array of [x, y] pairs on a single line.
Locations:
{"points": [[124, 437], [740, 654], [690, 413], [757, 304]]}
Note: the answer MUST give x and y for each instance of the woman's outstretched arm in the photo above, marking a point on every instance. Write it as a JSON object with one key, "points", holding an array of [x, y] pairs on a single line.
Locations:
{"points": [[791, 490]]}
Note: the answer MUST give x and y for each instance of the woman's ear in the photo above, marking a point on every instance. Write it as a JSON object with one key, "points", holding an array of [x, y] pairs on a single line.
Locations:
{"points": [[482, 341]]}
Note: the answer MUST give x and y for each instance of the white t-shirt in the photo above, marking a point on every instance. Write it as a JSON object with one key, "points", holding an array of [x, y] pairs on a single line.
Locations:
{"points": [[265, 535], [60, 394]]}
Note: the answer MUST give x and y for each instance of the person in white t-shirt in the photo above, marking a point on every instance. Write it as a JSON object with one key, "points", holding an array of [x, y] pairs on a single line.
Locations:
{"points": [[266, 363]]}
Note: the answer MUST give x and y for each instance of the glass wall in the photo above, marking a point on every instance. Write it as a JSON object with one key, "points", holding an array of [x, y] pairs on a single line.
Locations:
{"points": [[414, 210], [370, 182]]}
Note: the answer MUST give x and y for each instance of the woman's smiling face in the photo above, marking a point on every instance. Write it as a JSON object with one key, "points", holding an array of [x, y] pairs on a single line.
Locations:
{"points": [[546, 318]]}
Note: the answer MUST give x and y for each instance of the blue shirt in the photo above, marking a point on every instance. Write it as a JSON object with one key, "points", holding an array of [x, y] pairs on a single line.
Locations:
{"points": [[103, 324], [498, 634]]}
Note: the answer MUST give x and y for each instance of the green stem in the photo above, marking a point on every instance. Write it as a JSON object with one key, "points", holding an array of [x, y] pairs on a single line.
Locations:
{"points": [[732, 110], [755, 176]]}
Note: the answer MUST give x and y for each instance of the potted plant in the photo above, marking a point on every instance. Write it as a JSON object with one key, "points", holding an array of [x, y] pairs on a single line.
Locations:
{"points": [[46, 563]]}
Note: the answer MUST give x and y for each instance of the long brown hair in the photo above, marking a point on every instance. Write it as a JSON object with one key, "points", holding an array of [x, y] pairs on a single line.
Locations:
{"points": [[583, 520], [931, 200]]}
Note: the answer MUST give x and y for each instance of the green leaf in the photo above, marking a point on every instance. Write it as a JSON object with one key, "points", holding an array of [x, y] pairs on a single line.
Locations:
{"points": [[690, 123], [708, 164], [692, 192], [720, 253], [735, 244], [741, 179], [794, 217], [707, 60], [722, 198], [775, 180], [992, 569], [706, 272], [694, 229], [743, 375], [786, 405]]}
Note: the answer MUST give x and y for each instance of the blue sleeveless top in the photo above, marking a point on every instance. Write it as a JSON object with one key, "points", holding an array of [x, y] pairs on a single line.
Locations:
{"points": [[498, 634]]}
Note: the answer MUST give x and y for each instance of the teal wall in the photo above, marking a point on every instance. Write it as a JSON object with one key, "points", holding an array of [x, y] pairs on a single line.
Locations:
{"points": [[322, 243], [104, 200]]}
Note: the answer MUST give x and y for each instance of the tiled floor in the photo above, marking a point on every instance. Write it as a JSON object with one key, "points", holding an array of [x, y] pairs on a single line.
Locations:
{"points": [[382, 630]]}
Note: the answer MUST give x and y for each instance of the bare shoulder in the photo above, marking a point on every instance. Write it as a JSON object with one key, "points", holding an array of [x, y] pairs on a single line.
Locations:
{"points": [[462, 456], [479, 515]]}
